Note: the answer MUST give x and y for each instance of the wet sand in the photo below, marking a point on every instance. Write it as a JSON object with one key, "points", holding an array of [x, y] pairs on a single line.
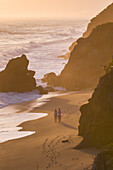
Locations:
{"points": [[45, 149]]}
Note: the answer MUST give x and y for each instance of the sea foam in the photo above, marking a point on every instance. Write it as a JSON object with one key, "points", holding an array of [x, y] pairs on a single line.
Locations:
{"points": [[10, 121]]}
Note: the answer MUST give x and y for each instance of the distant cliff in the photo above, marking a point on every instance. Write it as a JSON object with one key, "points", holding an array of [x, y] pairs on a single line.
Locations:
{"points": [[104, 17], [96, 121], [86, 61]]}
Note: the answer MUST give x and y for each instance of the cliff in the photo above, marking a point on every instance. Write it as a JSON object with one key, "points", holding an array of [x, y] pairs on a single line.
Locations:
{"points": [[104, 159], [16, 77], [96, 121], [86, 61], [103, 17]]}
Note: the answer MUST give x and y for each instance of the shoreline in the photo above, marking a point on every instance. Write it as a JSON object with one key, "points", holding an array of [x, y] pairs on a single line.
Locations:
{"points": [[45, 149], [12, 128]]}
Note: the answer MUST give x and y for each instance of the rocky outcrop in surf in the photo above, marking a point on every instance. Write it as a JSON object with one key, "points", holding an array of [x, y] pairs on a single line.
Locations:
{"points": [[16, 77], [85, 65], [45, 90], [51, 79], [96, 121]]}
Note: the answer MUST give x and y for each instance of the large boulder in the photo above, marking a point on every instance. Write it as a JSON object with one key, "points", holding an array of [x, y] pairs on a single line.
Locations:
{"points": [[16, 77], [96, 121], [45, 90], [51, 78], [42, 90], [85, 65]]}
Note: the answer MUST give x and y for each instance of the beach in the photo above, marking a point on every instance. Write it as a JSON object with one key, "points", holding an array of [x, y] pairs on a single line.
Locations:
{"points": [[52, 146]]}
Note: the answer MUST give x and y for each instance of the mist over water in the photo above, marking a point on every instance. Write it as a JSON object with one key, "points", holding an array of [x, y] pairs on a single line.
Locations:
{"points": [[42, 41]]}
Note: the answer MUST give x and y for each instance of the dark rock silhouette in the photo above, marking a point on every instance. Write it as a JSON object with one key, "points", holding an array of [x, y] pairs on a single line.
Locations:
{"points": [[42, 90], [45, 90], [16, 77], [49, 89], [85, 65], [96, 121], [104, 159]]}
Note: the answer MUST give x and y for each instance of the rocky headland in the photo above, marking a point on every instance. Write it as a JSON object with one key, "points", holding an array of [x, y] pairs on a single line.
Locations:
{"points": [[88, 55], [103, 17], [86, 62]]}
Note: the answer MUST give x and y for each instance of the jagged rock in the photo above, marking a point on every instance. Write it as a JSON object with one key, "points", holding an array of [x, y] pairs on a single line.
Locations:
{"points": [[50, 89], [96, 121], [72, 46], [104, 159], [16, 77], [85, 65], [51, 79], [42, 90]]}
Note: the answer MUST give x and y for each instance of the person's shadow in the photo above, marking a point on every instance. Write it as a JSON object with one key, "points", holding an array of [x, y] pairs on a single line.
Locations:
{"points": [[68, 126]]}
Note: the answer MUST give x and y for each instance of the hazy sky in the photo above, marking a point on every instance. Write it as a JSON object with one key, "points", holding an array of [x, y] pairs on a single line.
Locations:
{"points": [[52, 8]]}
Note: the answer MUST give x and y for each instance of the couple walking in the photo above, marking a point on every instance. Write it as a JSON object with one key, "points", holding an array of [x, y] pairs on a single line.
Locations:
{"points": [[57, 115]]}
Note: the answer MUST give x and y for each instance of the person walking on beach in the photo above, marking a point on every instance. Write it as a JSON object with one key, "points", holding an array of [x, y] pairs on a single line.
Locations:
{"points": [[59, 115], [55, 115]]}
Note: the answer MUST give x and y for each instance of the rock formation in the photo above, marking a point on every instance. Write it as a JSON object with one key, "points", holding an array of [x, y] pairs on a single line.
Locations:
{"points": [[16, 77], [104, 159], [51, 79], [103, 17], [96, 121], [45, 90], [86, 61]]}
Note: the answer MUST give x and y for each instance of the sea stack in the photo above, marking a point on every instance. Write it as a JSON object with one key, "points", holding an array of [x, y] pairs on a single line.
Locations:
{"points": [[16, 77]]}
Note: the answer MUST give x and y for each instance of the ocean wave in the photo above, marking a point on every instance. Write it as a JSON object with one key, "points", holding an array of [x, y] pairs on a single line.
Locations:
{"points": [[15, 32], [24, 48], [13, 97], [58, 41], [11, 32]]}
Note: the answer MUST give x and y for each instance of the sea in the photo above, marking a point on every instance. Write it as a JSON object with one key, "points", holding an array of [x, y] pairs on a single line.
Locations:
{"points": [[42, 41]]}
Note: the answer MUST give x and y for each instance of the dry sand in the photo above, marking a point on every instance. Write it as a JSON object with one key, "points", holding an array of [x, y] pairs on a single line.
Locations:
{"points": [[45, 150]]}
